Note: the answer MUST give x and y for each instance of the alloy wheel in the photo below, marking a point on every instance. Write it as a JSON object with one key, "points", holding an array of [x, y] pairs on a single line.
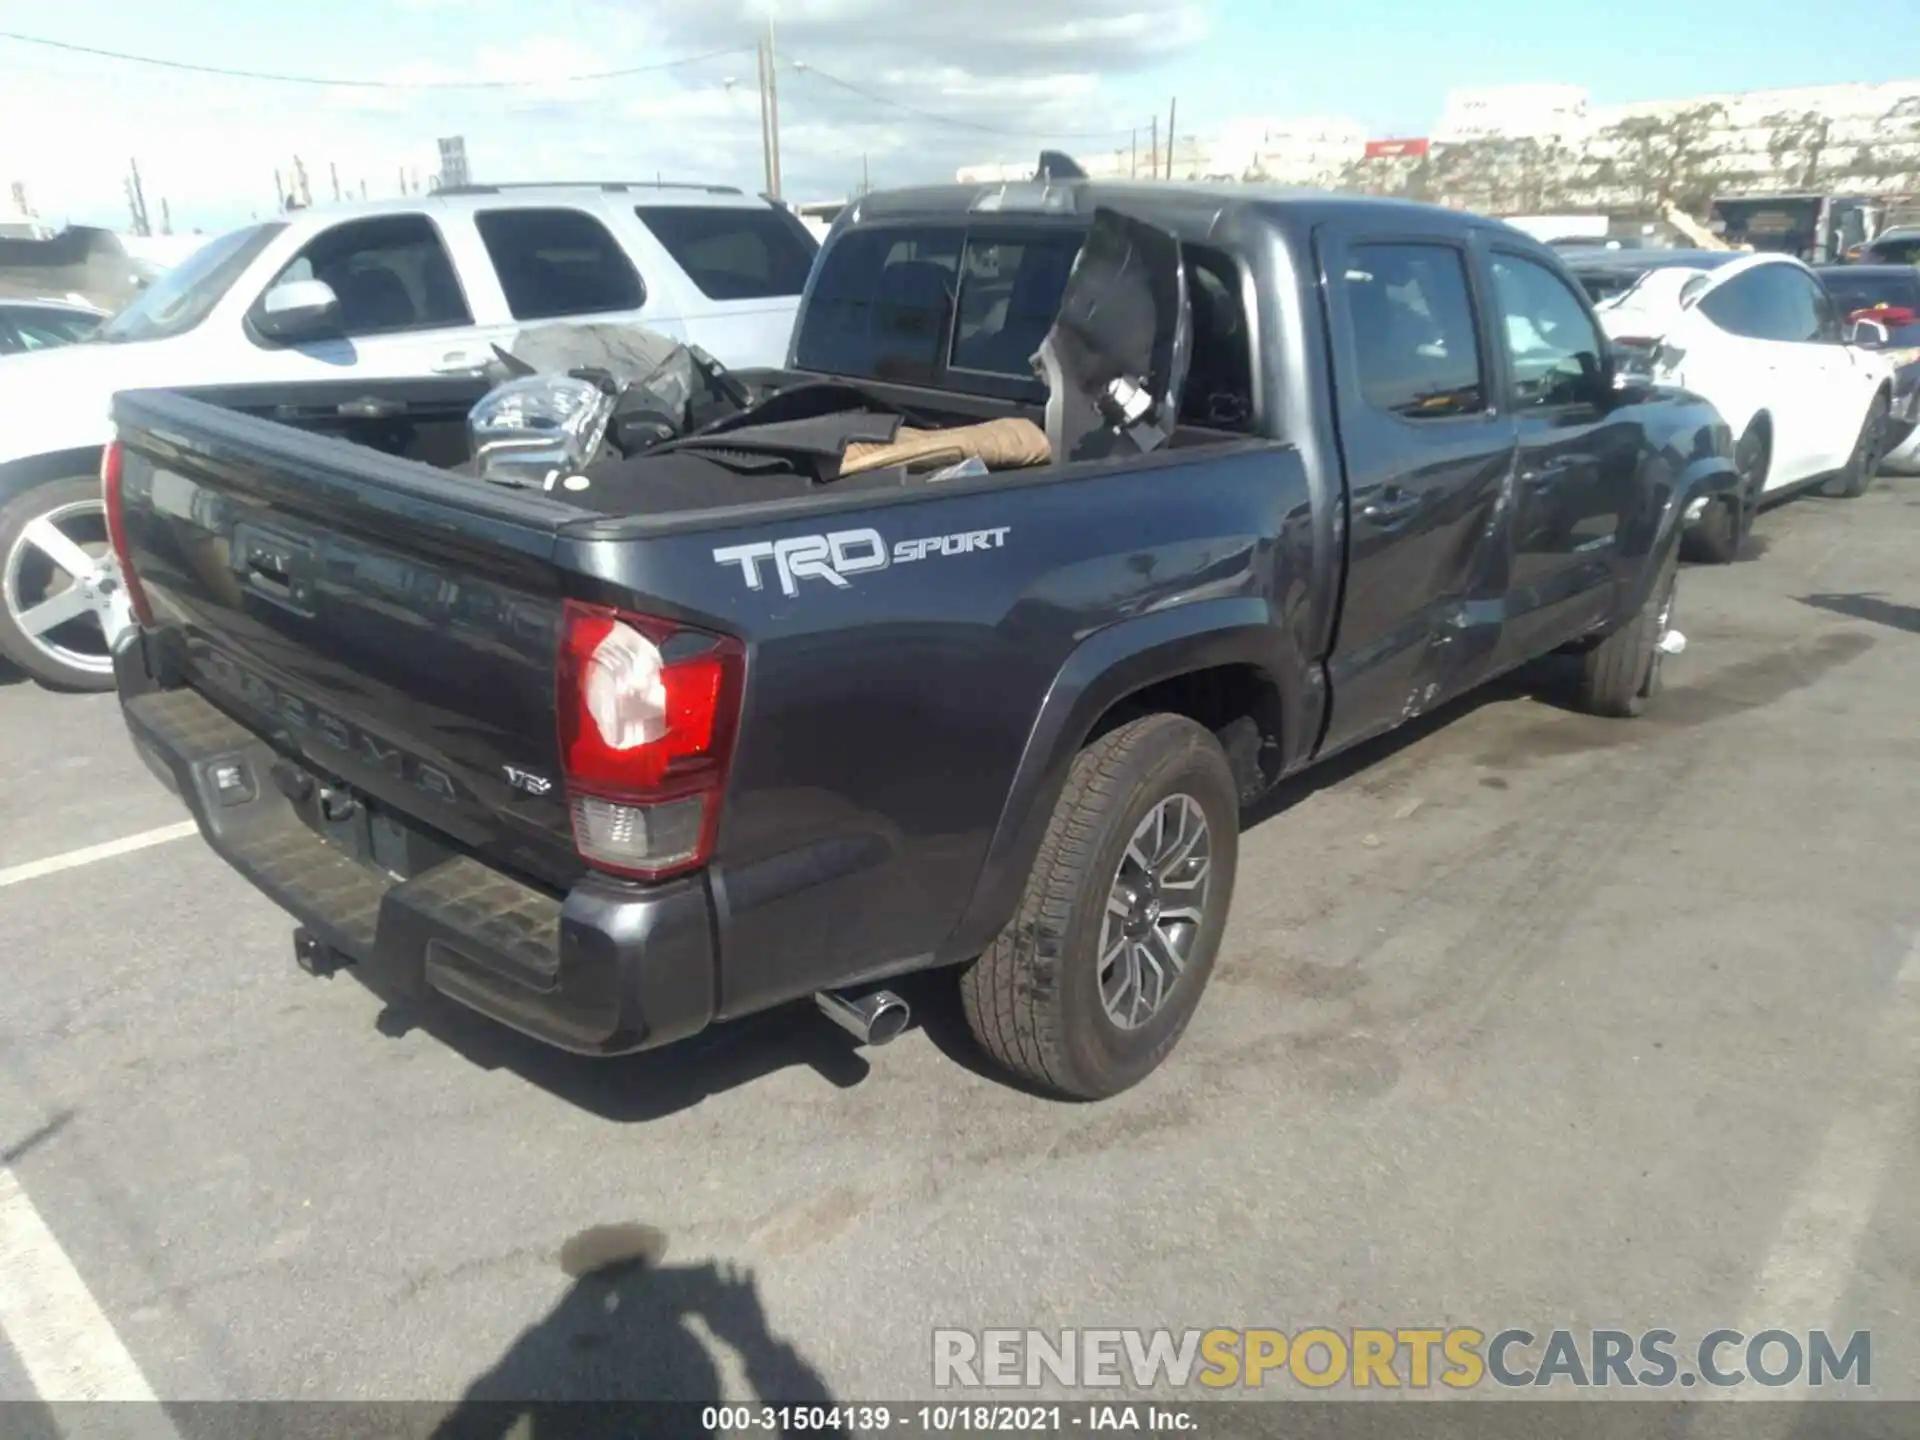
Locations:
{"points": [[1155, 908], [61, 586]]}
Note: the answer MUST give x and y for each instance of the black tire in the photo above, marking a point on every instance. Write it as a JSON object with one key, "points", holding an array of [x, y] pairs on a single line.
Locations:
{"points": [[1035, 1001], [1852, 482], [1721, 533], [28, 654], [1622, 672], [1716, 538]]}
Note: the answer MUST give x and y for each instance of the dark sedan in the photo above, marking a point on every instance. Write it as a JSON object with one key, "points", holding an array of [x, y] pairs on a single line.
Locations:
{"points": [[1606, 273], [1889, 296]]}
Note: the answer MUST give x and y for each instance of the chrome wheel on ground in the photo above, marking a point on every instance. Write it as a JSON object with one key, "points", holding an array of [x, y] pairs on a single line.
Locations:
{"points": [[60, 590], [1155, 907]]}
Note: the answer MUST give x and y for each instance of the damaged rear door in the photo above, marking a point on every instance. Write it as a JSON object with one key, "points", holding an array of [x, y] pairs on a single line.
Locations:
{"points": [[1115, 360]]}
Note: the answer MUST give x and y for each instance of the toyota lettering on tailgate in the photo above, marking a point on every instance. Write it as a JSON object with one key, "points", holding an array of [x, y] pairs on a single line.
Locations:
{"points": [[311, 723]]}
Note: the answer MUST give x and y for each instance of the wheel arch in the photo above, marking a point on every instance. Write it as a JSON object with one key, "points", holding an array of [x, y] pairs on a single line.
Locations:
{"points": [[19, 476], [1219, 662]]}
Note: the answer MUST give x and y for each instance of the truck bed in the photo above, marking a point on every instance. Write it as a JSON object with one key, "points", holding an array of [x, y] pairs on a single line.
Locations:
{"points": [[394, 626]]}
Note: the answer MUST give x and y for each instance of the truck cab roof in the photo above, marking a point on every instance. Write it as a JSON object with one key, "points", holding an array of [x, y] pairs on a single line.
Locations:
{"points": [[1189, 209]]}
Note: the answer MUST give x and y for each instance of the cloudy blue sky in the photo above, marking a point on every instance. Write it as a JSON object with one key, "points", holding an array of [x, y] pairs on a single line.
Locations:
{"points": [[946, 83]]}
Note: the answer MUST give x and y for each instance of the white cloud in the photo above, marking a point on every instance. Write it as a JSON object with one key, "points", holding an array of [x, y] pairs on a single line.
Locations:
{"points": [[944, 86]]}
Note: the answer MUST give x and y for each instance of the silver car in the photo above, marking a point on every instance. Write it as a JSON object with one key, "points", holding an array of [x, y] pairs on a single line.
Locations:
{"points": [[42, 324]]}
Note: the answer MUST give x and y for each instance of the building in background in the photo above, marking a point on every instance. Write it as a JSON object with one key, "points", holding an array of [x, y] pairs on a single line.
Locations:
{"points": [[1547, 148], [1509, 112], [453, 164]]}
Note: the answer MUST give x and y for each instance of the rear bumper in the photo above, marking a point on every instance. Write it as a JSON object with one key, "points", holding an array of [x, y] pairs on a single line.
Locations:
{"points": [[611, 969]]}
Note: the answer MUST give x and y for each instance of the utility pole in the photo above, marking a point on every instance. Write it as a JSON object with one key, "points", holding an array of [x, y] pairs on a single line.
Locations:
{"points": [[773, 102], [300, 181], [1133, 155], [333, 170], [1173, 111], [137, 199], [166, 217], [770, 110], [279, 191], [866, 182], [766, 133]]}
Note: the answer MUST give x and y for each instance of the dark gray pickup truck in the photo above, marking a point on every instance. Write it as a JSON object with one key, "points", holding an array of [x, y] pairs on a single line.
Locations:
{"points": [[739, 726]]}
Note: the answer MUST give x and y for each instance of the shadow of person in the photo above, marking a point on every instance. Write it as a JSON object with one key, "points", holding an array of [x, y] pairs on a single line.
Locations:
{"points": [[620, 1354]]}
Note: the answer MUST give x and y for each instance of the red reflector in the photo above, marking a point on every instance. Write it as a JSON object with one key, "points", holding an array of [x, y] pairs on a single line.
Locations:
{"points": [[647, 713], [112, 463]]}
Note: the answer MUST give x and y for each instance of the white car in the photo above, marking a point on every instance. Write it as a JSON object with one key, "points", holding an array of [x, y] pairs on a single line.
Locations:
{"points": [[43, 324], [1761, 339], [386, 290]]}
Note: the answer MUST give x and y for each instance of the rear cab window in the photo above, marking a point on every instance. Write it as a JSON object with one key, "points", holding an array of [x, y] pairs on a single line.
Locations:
{"points": [[964, 308], [557, 262], [1416, 351], [734, 252]]}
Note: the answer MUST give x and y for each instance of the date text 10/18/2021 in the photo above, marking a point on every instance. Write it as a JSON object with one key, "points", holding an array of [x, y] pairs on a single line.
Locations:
{"points": [[945, 1419]]}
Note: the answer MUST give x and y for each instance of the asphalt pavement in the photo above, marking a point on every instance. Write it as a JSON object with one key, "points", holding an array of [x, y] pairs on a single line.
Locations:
{"points": [[1524, 1019]]}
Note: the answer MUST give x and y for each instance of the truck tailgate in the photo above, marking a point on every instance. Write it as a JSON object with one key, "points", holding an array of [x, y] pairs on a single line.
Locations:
{"points": [[388, 626]]}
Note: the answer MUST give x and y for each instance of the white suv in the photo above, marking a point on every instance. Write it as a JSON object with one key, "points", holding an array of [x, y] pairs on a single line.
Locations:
{"points": [[1760, 338], [391, 289]]}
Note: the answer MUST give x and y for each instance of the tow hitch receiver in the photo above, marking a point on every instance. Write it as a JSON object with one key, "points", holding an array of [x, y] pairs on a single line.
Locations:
{"points": [[315, 956]]}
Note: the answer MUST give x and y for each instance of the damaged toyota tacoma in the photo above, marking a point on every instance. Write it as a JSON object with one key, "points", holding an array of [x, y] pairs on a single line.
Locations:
{"points": [[1081, 515]]}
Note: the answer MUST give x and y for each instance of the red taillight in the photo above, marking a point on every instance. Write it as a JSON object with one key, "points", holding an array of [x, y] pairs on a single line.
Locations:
{"points": [[111, 462], [1884, 314], [647, 712]]}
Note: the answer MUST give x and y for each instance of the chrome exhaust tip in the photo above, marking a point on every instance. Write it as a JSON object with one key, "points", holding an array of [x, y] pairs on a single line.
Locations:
{"points": [[872, 1018]]}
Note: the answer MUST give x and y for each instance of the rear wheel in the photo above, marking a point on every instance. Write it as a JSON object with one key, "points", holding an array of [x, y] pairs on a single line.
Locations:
{"points": [[1853, 481], [57, 579], [1622, 672], [1722, 531], [1091, 986]]}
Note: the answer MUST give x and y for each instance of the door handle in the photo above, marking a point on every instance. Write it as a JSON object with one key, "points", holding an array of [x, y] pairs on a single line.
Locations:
{"points": [[1544, 477], [1391, 507], [457, 362]]}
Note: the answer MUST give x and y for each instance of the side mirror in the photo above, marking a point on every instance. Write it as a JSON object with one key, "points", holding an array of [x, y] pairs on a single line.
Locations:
{"points": [[1870, 334], [298, 310]]}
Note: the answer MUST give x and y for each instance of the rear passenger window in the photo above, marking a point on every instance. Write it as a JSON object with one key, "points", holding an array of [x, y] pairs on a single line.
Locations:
{"points": [[1752, 306], [734, 253], [1411, 315], [390, 273], [558, 262]]}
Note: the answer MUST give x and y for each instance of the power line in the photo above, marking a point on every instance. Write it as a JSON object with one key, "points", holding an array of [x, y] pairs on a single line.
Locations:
{"points": [[807, 68], [236, 74]]}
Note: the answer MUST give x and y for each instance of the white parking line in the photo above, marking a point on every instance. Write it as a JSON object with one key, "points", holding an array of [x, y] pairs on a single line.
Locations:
{"points": [[50, 1319], [1816, 1252], [54, 864]]}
